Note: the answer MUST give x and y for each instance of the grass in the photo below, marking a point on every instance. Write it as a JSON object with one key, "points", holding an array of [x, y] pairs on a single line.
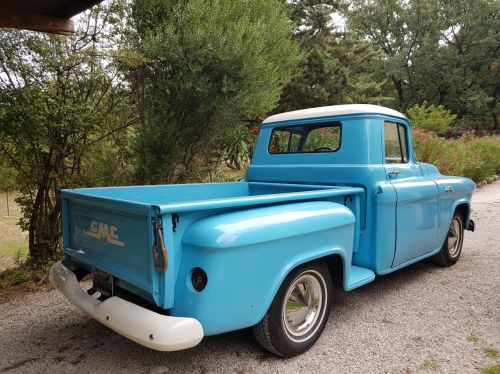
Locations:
{"points": [[492, 353], [14, 276], [23, 273], [8, 219], [491, 369], [13, 243], [472, 339], [429, 365], [10, 232], [16, 272], [13, 249]]}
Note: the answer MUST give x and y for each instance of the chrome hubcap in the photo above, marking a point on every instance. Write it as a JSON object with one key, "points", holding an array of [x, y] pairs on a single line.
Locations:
{"points": [[454, 237], [302, 305]]}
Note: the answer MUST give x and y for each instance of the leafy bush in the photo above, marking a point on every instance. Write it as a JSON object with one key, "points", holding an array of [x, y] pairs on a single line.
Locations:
{"points": [[25, 273], [474, 157], [431, 118], [17, 275], [203, 69]]}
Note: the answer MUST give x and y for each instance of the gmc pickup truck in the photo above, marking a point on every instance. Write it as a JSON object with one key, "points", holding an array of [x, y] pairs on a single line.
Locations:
{"points": [[332, 194]]}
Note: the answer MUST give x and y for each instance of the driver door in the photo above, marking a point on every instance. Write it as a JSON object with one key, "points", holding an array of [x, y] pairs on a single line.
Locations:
{"points": [[417, 197]]}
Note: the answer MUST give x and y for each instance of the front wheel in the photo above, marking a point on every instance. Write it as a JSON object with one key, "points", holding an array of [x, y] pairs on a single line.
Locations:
{"points": [[298, 313], [452, 246]]}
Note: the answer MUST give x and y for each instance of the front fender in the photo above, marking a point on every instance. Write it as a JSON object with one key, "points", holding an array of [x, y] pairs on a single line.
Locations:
{"points": [[453, 191], [463, 201], [247, 254]]}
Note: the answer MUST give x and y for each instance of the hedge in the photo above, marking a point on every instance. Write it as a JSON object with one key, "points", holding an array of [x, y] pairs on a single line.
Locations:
{"points": [[475, 157]]}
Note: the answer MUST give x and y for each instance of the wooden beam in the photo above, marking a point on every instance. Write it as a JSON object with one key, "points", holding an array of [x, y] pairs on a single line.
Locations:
{"points": [[36, 22], [73, 7]]}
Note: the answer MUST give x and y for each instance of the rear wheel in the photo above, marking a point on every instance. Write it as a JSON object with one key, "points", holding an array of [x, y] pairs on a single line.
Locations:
{"points": [[298, 313], [452, 246]]}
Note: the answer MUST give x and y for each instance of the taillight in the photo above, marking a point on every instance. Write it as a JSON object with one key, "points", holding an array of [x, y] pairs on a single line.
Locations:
{"points": [[199, 279]]}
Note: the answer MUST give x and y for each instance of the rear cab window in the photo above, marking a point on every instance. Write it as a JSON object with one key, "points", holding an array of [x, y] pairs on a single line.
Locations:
{"points": [[396, 143], [310, 138]]}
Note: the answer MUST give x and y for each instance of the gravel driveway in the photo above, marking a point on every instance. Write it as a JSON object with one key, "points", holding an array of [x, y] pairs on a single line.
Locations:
{"points": [[419, 319]]}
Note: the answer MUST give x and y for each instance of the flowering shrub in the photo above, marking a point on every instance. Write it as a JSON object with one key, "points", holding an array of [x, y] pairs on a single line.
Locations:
{"points": [[470, 156]]}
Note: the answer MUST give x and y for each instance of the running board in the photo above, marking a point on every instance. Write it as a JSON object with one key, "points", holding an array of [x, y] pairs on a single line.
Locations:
{"points": [[358, 276]]}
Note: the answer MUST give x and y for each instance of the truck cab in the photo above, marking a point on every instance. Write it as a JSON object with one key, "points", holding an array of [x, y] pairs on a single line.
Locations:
{"points": [[332, 193], [407, 206]]}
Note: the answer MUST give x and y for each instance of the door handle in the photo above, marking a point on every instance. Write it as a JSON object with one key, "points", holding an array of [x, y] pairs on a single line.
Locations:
{"points": [[393, 173], [448, 188]]}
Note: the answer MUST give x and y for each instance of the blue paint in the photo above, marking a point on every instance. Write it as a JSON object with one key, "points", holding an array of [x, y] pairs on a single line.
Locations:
{"points": [[247, 236], [247, 253]]}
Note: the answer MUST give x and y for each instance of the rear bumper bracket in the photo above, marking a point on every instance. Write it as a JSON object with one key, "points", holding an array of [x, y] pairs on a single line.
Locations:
{"points": [[150, 329]]}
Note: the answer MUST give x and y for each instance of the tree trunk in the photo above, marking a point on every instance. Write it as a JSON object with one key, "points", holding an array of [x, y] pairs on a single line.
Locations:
{"points": [[398, 85], [36, 251], [44, 223]]}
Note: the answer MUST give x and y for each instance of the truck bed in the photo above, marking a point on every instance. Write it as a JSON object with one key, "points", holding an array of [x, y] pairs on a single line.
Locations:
{"points": [[187, 197], [111, 229]]}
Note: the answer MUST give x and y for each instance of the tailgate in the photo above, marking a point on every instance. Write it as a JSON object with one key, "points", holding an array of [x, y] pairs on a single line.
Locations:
{"points": [[111, 235]]}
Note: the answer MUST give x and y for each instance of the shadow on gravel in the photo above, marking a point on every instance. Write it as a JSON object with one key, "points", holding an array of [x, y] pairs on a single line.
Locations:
{"points": [[72, 340]]}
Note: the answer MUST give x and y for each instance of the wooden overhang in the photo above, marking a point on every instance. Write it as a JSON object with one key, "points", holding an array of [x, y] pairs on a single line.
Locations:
{"points": [[52, 16]]}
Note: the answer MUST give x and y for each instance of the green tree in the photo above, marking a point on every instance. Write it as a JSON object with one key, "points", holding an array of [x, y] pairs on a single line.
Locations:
{"points": [[59, 97], [431, 118], [461, 71], [444, 52], [7, 177], [397, 28], [199, 69], [337, 67]]}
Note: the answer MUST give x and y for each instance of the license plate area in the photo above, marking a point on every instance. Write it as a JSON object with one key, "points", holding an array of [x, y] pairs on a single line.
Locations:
{"points": [[103, 282]]}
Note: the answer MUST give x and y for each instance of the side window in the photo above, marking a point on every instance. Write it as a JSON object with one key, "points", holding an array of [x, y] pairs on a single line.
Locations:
{"points": [[396, 143], [306, 138], [284, 141], [323, 139]]}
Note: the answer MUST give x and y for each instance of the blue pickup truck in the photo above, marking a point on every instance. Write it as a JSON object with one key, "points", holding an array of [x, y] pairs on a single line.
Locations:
{"points": [[332, 194]]}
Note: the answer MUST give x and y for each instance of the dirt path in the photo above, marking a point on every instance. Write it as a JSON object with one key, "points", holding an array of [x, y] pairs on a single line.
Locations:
{"points": [[420, 319]]}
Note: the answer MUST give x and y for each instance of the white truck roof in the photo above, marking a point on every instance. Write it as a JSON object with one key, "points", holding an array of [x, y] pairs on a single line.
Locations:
{"points": [[334, 110]]}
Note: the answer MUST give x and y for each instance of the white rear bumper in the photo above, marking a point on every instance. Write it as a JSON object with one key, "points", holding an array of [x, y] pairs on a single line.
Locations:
{"points": [[153, 330]]}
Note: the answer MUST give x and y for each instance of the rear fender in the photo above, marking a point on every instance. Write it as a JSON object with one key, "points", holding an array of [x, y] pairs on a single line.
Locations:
{"points": [[247, 254]]}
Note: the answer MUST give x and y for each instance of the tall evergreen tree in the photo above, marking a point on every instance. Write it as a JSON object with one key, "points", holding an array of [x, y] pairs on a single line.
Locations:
{"points": [[336, 68], [398, 29]]}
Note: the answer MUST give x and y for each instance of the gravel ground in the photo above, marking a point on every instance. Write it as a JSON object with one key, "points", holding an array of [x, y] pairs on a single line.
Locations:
{"points": [[420, 319]]}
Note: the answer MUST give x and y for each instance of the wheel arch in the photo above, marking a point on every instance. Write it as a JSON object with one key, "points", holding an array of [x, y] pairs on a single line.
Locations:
{"points": [[335, 259], [336, 265], [464, 209]]}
